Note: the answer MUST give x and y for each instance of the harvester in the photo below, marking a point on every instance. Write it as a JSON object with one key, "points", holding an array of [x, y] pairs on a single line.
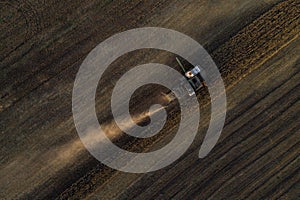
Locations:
{"points": [[195, 79]]}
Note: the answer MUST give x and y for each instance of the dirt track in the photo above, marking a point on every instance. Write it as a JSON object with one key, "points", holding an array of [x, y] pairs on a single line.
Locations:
{"points": [[256, 47]]}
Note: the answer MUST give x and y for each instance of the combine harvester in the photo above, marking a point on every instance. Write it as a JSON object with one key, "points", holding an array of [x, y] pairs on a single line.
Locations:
{"points": [[194, 78]]}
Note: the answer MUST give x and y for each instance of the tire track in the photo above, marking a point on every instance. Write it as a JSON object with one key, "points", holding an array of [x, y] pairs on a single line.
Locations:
{"points": [[164, 177], [212, 177], [293, 188], [46, 77], [293, 22], [291, 167], [228, 147], [253, 178]]}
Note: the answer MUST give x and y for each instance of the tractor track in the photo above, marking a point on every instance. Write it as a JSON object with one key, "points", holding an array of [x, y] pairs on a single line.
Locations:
{"points": [[259, 143], [232, 63]]}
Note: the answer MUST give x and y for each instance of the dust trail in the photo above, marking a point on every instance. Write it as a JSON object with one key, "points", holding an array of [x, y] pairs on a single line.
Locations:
{"points": [[112, 131], [28, 169]]}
